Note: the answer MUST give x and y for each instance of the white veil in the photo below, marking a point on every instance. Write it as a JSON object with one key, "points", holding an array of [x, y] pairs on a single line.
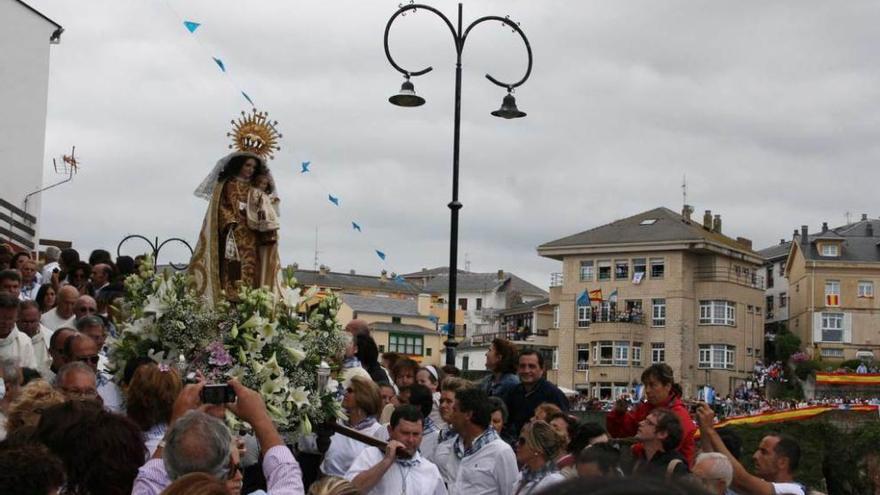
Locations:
{"points": [[206, 188]]}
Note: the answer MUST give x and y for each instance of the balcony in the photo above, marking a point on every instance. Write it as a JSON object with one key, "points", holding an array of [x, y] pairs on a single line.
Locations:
{"points": [[611, 316], [726, 274], [556, 279], [521, 335]]}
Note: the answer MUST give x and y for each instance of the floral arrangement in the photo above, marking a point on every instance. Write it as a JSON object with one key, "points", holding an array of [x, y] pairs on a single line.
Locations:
{"points": [[261, 340]]}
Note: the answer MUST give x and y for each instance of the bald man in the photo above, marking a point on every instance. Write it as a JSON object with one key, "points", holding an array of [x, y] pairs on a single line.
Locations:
{"points": [[357, 327], [85, 306], [62, 315]]}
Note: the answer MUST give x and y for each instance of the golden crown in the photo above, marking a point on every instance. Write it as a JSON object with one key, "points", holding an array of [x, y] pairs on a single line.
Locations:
{"points": [[256, 134]]}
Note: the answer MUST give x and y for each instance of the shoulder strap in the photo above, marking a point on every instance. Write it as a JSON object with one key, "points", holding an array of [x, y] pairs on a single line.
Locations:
{"points": [[670, 468]]}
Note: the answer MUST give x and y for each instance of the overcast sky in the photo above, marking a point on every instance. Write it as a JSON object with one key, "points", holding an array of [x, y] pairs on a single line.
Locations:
{"points": [[769, 108]]}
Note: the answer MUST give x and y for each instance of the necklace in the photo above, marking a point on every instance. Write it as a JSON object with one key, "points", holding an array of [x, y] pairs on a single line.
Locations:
{"points": [[404, 474]]}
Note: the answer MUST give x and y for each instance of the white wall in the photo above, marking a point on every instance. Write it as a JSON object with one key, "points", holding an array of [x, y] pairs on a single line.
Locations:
{"points": [[24, 87], [476, 358], [780, 285]]}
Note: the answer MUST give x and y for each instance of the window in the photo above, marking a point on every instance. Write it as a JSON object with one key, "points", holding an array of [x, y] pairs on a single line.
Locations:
{"points": [[648, 221], [832, 250], [658, 352], [658, 268], [832, 327], [866, 289], [427, 351], [555, 359], [583, 357], [583, 316], [621, 270], [770, 277], [636, 353], [555, 316], [658, 312], [621, 353], [718, 313], [405, 344], [381, 349], [639, 266], [783, 299], [748, 351], [586, 271], [769, 306], [479, 303], [465, 362], [604, 270], [832, 353], [395, 319], [832, 293], [717, 356], [462, 303]]}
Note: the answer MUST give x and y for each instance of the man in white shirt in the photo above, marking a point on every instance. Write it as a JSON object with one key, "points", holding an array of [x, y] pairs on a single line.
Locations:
{"points": [[83, 349], [776, 460], [51, 266], [14, 344], [482, 463], [375, 474], [29, 324], [30, 280], [62, 314]]}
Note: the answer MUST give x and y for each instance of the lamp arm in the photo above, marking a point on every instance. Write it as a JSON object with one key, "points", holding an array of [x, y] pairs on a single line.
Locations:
{"points": [[402, 10], [522, 35]]}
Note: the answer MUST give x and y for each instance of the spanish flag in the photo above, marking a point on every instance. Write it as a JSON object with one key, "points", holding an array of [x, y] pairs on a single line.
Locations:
{"points": [[596, 295]]}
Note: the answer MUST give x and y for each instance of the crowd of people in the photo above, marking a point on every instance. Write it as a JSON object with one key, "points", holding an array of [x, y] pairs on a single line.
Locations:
{"points": [[69, 427]]}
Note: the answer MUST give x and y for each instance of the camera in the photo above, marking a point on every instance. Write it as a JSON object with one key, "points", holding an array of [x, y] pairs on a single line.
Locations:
{"points": [[220, 393]]}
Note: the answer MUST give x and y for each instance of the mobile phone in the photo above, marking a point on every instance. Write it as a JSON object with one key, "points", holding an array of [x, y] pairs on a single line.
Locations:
{"points": [[219, 393]]}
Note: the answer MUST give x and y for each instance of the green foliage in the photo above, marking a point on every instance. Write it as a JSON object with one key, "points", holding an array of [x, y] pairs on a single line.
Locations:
{"points": [[786, 344], [803, 369]]}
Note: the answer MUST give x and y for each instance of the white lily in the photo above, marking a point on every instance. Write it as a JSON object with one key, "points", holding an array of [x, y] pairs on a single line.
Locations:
{"points": [[300, 396], [255, 321], [291, 298], [273, 367], [305, 426], [296, 354]]}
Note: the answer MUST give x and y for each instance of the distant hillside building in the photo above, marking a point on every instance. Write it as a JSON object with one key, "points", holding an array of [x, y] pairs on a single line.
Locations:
{"points": [[655, 287]]}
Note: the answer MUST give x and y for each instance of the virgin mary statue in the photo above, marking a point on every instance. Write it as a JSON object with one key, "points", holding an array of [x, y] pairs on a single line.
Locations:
{"points": [[238, 243]]}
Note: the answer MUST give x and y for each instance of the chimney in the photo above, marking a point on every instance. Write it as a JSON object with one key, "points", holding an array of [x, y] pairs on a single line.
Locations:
{"points": [[781, 241], [424, 304], [323, 270], [869, 229], [746, 243], [864, 216], [707, 220], [500, 274], [686, 211], [824, 226], [716, 225], [295, 266], [384, 276], [804, 235], [352, 272]]}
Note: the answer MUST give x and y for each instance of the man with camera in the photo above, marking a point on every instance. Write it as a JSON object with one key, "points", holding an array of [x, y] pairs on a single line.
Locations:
{"points": [[197, 441]]}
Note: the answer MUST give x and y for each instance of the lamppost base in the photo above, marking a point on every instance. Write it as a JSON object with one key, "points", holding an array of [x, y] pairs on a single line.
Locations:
{"points": [[450, 351]]}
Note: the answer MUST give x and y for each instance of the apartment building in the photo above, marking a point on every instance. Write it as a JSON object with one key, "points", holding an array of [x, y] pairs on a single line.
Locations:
{"points": [[655, 287], [776, 297], [832, 276]]}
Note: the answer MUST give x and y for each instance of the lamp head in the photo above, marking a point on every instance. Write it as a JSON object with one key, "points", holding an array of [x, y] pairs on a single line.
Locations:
{"points": [[508, 108], [407, 96]]}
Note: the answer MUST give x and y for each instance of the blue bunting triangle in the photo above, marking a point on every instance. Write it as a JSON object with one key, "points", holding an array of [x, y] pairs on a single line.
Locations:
{"points": [[219, 64], [305, 167], [333, 200], [191, 26], [380, 254], [248, 98], [356, 227]]}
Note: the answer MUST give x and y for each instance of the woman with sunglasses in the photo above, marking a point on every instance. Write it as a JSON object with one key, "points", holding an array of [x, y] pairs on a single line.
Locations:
{"points": [[362, 403], [536, 451]]}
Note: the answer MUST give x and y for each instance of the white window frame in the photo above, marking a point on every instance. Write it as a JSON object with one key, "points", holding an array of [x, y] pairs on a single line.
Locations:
{"points": [[830, 250], [624, 263], [582, 365], [717, 312], [866, 288], [661, 262], [555, 316], [658, 312], [640, 265], [832, 288], [583, 316], [833, 353], [586, 271], [717, 356], [658, 352], [621, 353], [604, 264], [832, 322], [783, 300], [636, 353], [598, 347]]}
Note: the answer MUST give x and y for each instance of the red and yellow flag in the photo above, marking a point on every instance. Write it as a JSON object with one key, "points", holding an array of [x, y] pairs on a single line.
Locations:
{"points": [[596, 295], [870, 379]]}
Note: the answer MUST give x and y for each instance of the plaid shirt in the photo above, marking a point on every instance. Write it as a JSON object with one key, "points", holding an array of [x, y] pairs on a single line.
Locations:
{"points": [[461, 452]]}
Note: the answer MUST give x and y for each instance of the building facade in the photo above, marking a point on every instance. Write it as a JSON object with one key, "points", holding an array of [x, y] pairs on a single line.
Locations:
{"points": [[776, 297], [655, 287], [832, 277]]}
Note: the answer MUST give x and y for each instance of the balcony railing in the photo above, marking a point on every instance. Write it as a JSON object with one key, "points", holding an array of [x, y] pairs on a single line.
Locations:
{"points": [[556, 279], [513, 335], [610, 316], [726, 274]]}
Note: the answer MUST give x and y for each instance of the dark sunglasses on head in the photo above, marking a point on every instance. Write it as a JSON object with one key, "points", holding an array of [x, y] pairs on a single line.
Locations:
{"points": [[89, 359]]}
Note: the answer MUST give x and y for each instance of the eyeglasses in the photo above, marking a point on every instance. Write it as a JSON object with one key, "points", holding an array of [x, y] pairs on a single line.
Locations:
{"points": [[232, 469], [87, 310], [77, 394], [89, 359]]}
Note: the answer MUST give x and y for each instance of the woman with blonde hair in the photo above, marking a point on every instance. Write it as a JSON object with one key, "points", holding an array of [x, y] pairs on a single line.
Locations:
{"points": [[26, 409], [333, 485], [536, 451], [196, 484], [149, 398], [362, 404]]}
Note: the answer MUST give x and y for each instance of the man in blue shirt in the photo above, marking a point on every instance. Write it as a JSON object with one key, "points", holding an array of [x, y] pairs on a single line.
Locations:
{"points": [[532, 391]]}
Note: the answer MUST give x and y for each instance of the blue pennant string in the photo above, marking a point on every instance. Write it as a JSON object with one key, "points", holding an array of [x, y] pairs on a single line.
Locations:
{"points": [[380, 254], [399, 279], [305, 167], [219, 64], [447, 327], [191, 26], [356, 227], [434, 319], [333, 200], [248, 98]]}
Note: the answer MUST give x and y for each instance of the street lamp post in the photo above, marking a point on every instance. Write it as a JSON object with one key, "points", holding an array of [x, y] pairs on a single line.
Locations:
{"points": [[408, 98]]}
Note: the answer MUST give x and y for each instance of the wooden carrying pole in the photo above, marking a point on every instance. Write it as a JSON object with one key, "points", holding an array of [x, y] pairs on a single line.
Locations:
{"points": [[367, 439]]}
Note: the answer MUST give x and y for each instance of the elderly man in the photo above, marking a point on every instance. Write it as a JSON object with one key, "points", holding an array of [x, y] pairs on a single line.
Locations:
{"points": [[375, 474], [85, 306], [77, 381], [93, 326], [14, 344], [714, 471], [776, 460], [62, 314], [29, 324], [100, 279], [197, 442], [83, 349], [51, 266], [30, 280], [56, 349]]}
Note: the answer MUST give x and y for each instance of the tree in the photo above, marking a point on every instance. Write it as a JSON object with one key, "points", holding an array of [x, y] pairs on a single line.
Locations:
{"points": [[785, 345]]}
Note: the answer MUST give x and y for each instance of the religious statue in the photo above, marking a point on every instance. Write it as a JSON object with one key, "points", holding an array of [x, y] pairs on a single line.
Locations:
{"points": [[238, 243]]}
